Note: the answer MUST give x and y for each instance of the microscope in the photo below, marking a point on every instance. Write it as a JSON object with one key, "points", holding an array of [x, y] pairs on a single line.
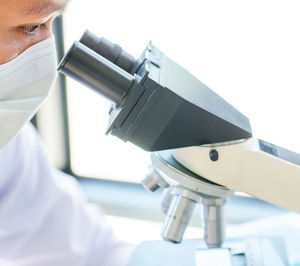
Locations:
{"points": [[202, 149]]}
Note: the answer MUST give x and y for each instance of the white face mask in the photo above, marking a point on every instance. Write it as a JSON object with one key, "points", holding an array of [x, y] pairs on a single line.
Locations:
{"points": [[24, 84]]}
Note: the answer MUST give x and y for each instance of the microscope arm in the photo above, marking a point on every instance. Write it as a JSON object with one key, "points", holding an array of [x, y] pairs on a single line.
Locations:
{"points": [[253, 166]]}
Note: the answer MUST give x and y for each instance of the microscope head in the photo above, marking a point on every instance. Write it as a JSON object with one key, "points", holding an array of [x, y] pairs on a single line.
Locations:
{"points": [[157, 104]]}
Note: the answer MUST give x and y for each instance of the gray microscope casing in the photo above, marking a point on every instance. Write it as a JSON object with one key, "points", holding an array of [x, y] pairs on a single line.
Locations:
{"points": [[163, 106]]}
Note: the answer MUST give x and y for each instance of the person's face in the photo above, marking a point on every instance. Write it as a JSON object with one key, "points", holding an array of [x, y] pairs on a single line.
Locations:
{"points": [[24, 23]]}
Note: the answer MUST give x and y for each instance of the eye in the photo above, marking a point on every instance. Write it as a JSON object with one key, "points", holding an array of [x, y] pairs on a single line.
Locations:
{"points": [[32, 29]]}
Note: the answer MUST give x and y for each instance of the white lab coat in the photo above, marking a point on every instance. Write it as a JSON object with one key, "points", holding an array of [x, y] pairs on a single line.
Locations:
{"points": [[44, 218]]}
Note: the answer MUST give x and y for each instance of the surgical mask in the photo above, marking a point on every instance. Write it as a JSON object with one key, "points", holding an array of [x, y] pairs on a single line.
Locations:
{"points": [[25, 82]]}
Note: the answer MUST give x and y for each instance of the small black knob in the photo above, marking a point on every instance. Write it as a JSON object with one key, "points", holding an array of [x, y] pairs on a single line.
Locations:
{"points": [[214, 155]]}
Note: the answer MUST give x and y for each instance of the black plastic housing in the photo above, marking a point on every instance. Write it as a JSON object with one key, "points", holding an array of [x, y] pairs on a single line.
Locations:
{"points": [[166, 107]]}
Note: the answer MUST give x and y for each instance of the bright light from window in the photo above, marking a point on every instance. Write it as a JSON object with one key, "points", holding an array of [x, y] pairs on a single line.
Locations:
{"points": [[248, 52]]}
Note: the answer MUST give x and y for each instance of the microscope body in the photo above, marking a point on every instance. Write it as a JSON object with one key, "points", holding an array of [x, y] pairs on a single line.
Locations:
{"points": [[202, 146]]}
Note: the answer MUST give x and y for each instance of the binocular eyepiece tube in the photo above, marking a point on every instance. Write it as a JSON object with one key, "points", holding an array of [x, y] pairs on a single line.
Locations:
{"points": [[109, 50], [99, 65]]}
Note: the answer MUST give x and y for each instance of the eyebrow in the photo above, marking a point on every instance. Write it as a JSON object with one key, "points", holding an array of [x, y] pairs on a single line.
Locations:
{"points": [[46, 7]]}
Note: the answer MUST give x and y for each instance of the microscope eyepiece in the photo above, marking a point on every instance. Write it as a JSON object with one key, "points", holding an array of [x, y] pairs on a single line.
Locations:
{"points": [[108, 50], [96, 72]]}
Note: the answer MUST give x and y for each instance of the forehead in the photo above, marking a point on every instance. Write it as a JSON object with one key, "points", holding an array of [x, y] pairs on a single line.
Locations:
{"points": [[26, 10], [32, 7]]}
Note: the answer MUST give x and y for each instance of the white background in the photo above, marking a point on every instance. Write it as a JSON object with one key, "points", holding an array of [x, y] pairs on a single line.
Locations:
{"points": [[246, 51]]}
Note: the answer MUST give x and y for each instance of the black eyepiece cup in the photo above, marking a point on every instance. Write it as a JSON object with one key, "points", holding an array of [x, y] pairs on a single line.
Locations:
{"points": [[96, 72]]}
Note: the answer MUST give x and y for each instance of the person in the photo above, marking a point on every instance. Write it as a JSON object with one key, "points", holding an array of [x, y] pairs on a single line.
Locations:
{"points": [[44, 218]]}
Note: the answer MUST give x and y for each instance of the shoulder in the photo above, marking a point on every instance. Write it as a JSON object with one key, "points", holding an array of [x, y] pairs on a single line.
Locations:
{"points": [[27, 137], [20, 147]]}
